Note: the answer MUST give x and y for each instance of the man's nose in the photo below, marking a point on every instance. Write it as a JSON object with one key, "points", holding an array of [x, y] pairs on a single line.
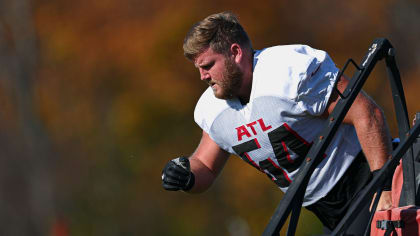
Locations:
{"points": [[204, 75]]}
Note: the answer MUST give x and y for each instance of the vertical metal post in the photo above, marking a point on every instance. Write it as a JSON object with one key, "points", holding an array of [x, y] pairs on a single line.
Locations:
{"points": [[408, 192]]}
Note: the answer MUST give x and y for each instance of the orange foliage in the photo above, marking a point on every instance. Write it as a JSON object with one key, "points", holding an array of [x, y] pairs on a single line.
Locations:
{"points": [[117, 96]]}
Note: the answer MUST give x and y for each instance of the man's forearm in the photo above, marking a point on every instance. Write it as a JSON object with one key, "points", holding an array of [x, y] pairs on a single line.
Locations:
{"points": [[374, 138], [204, 177], [372, 132]]}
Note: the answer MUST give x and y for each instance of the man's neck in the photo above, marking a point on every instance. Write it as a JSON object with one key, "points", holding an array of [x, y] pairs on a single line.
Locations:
{"points": [[246, 87]]}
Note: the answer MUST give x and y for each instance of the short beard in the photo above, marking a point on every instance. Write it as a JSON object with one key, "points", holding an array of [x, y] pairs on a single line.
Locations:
{"points": [[231, 81]]}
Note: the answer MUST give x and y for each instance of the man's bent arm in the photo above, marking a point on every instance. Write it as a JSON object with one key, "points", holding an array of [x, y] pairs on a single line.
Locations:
{"points": [[206, 163], [372, 131]]}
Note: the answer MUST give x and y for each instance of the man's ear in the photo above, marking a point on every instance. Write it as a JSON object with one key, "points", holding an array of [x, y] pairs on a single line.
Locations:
{"points": [[236, 52]]}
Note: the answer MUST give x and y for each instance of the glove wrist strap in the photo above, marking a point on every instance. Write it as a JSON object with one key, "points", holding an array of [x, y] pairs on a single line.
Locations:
{"points": [[388, 182], [190, 183]]}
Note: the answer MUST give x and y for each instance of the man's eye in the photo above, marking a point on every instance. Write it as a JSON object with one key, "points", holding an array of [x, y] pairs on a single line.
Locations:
{"points": [[207, 66]]}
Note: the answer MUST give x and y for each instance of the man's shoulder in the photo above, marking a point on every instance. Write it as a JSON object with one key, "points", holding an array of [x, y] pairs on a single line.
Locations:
{"points": [[208, 99], [279, 70], [287, 47], [289, 53], [208, 108]]}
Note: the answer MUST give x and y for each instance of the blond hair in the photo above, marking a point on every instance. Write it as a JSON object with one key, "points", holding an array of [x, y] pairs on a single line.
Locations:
{"points": [[218, 31]]}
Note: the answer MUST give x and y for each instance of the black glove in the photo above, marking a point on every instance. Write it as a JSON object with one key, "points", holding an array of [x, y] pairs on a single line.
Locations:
{"points": [[176, 175], [388, 183]]}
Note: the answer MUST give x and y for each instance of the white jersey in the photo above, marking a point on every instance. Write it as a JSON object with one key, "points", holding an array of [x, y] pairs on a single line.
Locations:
{"points": [[274, 131]]}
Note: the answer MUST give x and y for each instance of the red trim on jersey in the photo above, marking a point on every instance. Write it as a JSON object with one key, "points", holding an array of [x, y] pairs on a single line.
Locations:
{"points": [[252, 161], [296, 134], [256, 142], [287, 152], [278, 167], [299, 137]]}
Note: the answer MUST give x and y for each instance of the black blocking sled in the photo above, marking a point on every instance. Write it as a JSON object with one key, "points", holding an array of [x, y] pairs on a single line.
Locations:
{"points": [[291, 202]]}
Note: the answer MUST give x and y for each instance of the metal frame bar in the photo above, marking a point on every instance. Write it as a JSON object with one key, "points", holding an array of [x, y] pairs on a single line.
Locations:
{"points": [[386, 171], [408, 193], [293, 198]]}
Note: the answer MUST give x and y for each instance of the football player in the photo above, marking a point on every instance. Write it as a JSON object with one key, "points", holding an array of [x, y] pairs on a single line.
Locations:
{"points": [[267, 106]]}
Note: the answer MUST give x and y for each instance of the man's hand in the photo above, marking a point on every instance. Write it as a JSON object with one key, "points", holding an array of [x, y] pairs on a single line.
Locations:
{"points": [[385, 201], [176, 175]]}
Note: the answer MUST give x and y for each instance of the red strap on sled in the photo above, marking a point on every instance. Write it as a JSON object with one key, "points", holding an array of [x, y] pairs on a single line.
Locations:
{"points": [[398, 220]]}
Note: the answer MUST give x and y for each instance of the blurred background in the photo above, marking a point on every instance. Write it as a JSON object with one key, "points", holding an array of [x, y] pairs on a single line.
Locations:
{"points": [[96, 96]]}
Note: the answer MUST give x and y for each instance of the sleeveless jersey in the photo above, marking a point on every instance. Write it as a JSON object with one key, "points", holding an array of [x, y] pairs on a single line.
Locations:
{"points": [[274, 131]]}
